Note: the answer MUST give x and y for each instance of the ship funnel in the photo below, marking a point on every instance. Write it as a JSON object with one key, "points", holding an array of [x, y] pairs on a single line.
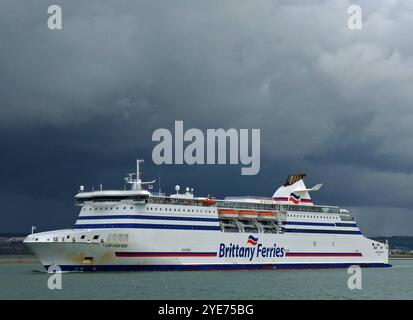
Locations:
{"points": [[294, 191]]}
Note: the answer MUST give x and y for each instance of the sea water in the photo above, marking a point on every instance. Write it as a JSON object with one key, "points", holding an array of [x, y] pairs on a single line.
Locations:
{"points": [[24, 281]]}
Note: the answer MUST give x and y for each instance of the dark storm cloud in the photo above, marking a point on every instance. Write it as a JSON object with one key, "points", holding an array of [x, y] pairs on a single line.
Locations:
{"points": [[78, 105]]}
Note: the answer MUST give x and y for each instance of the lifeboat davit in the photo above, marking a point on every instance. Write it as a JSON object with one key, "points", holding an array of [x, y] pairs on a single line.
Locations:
{"points": [[209, 201], [228, 213], [267, 215], [248, 214]]}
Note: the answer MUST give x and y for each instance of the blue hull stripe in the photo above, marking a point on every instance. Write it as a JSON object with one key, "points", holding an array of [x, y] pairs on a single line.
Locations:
{"points": [[349, 225], [216, 267], [146, 217], [151, 217], [322, 231], [146, 226], [297, 223], [192, 227]]}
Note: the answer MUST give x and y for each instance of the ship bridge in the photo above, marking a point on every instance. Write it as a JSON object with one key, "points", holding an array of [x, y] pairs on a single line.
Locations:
{"points": [[136, 194]]}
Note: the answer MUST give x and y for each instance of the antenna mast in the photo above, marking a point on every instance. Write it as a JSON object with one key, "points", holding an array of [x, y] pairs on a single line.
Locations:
{"points": [[134, 179], [138, 177]]}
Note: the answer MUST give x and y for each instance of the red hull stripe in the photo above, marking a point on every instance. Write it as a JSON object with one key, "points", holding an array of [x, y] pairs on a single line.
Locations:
{"points": [[280, 199], [166, 254], [213, 254], [323, 254]]}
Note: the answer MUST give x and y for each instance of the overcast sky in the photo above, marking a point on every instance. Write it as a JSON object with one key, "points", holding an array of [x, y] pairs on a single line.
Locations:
{"points": [[78, 105]]}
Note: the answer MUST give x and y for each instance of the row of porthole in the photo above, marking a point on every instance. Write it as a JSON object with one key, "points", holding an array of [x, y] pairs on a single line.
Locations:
{"points": [[95, 237], [314, 217], [175, 209], [117, 208], [156, 209], [210, 211]]}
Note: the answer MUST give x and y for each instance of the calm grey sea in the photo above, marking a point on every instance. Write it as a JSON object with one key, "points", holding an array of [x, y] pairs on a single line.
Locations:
{"points": [[18, 281]]}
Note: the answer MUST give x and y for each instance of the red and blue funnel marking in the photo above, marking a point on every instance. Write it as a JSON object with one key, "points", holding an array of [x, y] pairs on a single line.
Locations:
{"points": [[294, 198], [252, 240]]}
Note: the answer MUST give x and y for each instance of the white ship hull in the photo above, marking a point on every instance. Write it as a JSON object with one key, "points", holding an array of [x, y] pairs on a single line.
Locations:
{"points": [[204, 250]]}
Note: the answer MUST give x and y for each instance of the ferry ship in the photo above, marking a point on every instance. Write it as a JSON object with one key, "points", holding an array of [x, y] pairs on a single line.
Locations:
{"points": [[137, 229]]}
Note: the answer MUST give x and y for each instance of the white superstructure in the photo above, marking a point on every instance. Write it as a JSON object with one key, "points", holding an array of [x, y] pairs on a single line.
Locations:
{"points": [[139, 230]]}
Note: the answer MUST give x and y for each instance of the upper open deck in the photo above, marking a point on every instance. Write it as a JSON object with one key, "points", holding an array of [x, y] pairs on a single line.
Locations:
{"points": [[292, 196]]}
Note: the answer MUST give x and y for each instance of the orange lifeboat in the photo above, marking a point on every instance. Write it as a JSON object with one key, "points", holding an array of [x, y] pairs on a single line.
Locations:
{"points": [[228, 213], [248, 214], [267, 215], [209, 201]]}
